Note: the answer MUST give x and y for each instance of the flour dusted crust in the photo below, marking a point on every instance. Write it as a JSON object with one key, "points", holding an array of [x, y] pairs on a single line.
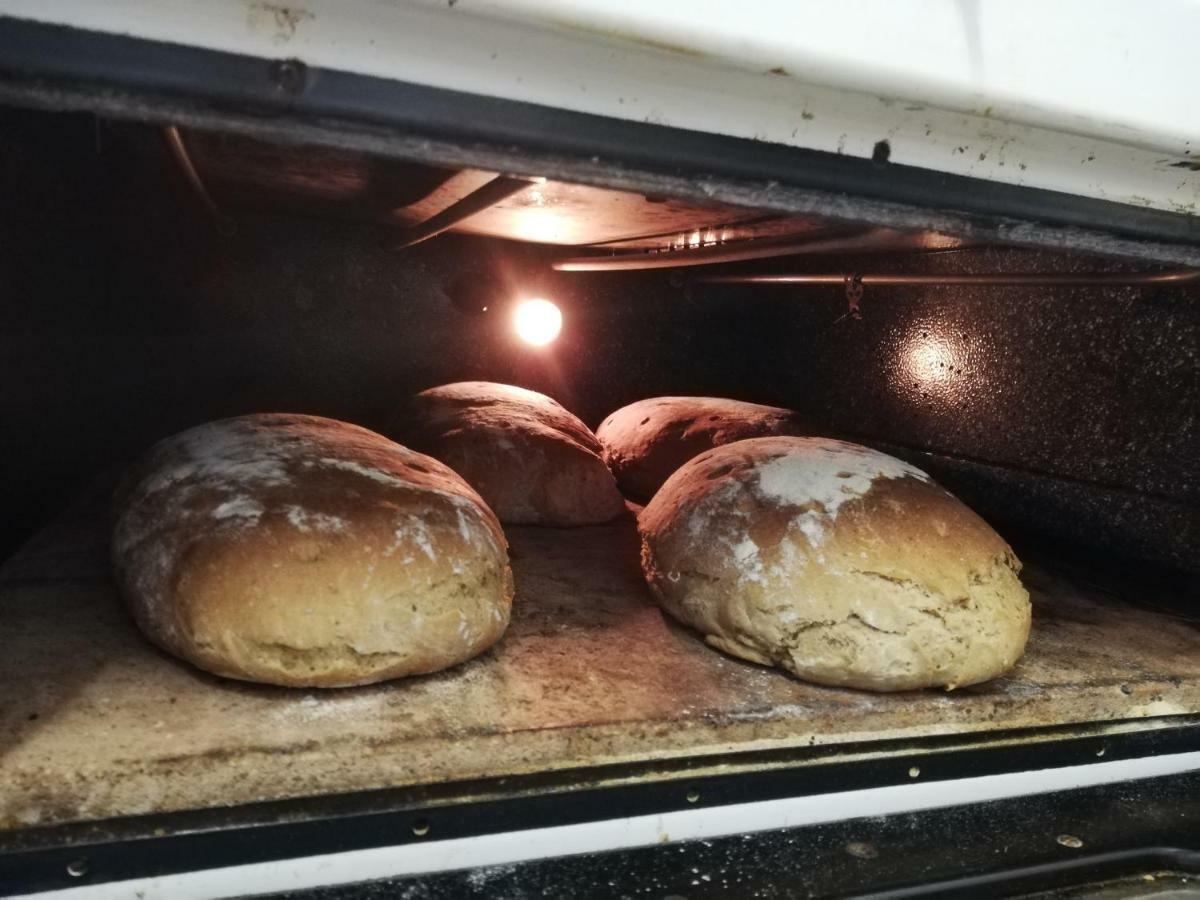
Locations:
{"points": [[840, 564], [531, 460], [303, 551], [647, 441]]}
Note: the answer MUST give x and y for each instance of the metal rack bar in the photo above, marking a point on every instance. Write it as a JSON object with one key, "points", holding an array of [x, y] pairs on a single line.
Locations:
{"points": [[999, 279], [187, 168], [831, 241], [499, 188]]}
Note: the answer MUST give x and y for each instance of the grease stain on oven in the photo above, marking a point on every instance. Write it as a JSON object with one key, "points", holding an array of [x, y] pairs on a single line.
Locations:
{"points": [[285, 20], [624, 36]]}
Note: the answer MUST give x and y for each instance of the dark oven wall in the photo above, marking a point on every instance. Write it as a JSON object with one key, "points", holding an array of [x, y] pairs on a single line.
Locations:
{"points": [[1063, 414], [1070, 413]]}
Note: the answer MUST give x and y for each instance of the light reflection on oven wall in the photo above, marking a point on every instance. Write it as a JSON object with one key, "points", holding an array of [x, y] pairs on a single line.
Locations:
{"points": [[934, 367], [930, 359]]}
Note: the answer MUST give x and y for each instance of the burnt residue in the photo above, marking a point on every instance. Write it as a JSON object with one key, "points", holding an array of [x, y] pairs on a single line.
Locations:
{"points": [[624, 36], [284, 19]]}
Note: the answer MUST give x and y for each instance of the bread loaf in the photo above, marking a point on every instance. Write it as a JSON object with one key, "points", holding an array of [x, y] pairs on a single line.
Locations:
{"points": [[646, 441], [302, 551], [531, 460], [840, 564]]}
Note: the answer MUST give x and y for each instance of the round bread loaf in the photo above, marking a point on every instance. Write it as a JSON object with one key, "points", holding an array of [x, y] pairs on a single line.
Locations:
{"points": [[645, 442], [531, 460], [840, 564], [303, 551]]}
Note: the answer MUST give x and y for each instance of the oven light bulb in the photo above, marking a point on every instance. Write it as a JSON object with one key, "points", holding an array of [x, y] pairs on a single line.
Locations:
{"points": [[537, 321]]}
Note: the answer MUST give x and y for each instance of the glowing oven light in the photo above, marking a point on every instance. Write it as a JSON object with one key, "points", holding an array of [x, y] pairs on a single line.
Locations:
{"points": [[537, 321]]}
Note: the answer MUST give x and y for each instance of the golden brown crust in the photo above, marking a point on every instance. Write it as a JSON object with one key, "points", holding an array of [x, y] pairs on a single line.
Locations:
{"points": [[844, 566], [302, 551], [531, 460], [646, 441]]}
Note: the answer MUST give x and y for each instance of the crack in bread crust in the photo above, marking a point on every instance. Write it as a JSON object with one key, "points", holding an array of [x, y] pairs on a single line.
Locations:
{"points": [[893, 584]]}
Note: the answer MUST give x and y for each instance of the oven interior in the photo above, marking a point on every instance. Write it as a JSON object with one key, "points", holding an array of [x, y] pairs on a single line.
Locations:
{"points": [[152, 279]]}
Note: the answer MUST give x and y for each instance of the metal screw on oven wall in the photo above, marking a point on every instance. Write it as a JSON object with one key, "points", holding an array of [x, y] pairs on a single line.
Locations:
{"points": [[288, 75], [693, 795], [1069, 840], [77, 868], [421, 827]]}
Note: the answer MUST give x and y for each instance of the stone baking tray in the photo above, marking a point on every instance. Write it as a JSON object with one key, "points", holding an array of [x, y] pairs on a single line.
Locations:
{"points": [[96, 723]]}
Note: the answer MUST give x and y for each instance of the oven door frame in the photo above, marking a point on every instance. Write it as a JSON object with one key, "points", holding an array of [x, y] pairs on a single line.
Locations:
{"points": [[285, 100]]}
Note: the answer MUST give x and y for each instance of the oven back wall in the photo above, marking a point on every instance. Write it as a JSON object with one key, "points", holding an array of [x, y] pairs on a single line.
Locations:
{"points": [[1069, 414], [126, 317]]}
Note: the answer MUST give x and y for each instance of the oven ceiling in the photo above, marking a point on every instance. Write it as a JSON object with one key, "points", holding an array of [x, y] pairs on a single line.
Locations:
{"points": [[240, 173]]}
